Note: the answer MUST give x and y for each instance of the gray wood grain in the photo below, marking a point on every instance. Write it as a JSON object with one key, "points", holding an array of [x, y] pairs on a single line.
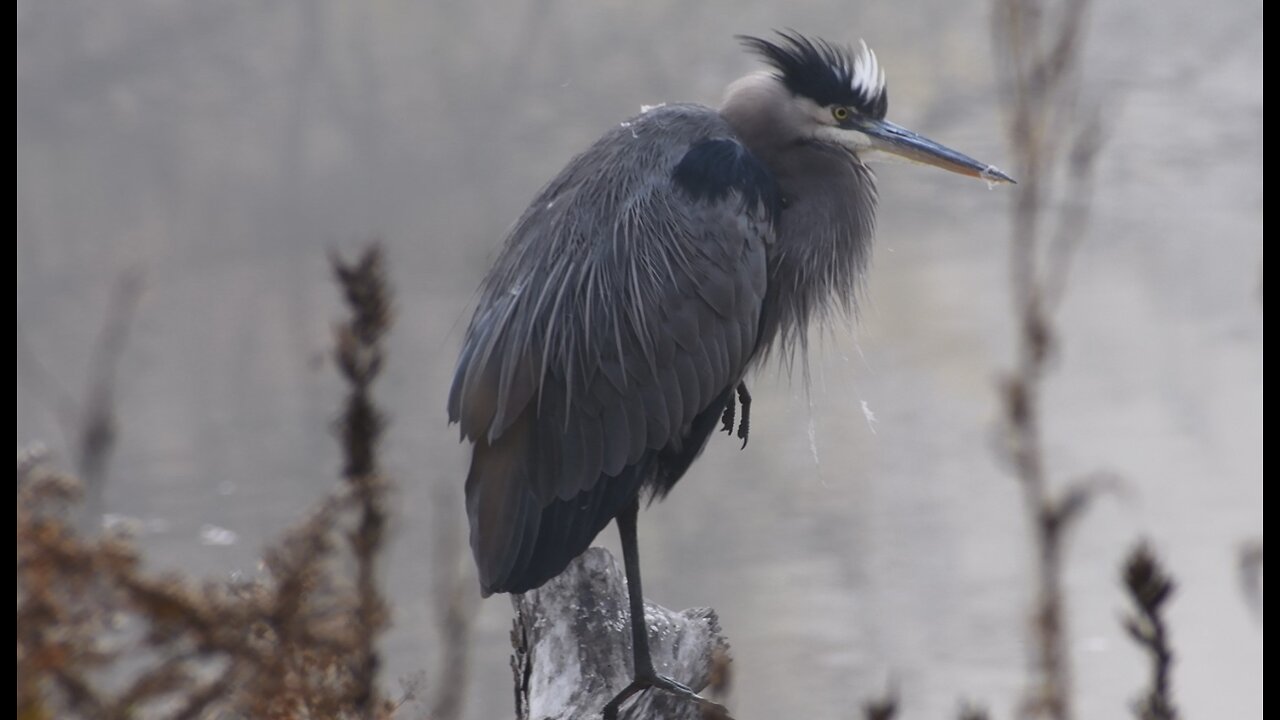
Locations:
{"points": [[573, 646]]}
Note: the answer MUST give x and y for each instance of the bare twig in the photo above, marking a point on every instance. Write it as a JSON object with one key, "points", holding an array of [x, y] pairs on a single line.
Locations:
{"points": [[452, 598], [88, 423], [301, 642], [457, 614], [1149, 587], [97, 424], [1042, 42], [358, 353], [882, 708], [1249, 564]]}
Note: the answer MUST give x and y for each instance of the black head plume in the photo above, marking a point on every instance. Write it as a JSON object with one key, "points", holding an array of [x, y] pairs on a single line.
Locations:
{"points": [[825, 73]]}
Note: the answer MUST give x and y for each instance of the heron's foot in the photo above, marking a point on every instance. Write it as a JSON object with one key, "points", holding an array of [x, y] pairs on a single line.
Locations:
{"points": [[657, 682], [727, 417], [744, 425]]}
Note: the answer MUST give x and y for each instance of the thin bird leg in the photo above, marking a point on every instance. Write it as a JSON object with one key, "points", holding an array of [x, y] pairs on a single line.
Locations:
{"points": [[645, 676], [726, 419], [744, 426]]}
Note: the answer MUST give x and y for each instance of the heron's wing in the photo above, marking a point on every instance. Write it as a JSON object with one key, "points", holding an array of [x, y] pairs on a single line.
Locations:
{"points": [[623, 307]]}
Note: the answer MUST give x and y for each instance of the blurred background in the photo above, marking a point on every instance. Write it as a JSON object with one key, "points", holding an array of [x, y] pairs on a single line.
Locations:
{"points": [[868, 536]]}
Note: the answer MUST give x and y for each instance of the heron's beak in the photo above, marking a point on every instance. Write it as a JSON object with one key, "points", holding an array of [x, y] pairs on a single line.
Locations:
{"points": [[901, 142]]}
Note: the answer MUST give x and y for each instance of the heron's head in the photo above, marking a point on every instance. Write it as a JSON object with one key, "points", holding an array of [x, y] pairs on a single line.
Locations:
{"points": [[822, 93]]}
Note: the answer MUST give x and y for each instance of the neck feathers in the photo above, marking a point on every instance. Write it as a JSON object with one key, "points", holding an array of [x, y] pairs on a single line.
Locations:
{"points": [[824, 231]]}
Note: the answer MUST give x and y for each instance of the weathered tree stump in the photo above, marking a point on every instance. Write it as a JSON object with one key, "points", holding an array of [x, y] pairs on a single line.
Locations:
{"points": [[572, 643]]}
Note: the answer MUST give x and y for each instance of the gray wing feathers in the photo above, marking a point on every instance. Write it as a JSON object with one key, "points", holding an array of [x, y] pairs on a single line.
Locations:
{"points": [[586, 364]]}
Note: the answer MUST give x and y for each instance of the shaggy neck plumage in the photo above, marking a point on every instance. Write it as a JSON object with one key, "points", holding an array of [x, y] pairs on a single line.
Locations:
{"points": [[823, 236]]}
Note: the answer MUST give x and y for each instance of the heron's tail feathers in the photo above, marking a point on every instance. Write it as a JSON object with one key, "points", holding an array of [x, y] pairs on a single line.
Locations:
{"points": [[518, 541]]}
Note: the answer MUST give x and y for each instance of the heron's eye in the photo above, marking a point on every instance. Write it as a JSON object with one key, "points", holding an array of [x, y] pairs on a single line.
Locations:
{"points": [[840, 114]]}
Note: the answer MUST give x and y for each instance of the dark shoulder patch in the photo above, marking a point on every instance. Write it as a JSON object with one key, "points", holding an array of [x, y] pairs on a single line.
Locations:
{"points": [[714, 168]]}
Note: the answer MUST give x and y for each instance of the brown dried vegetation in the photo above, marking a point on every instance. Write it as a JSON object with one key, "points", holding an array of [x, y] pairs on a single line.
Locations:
{"points": [[101, 636]]}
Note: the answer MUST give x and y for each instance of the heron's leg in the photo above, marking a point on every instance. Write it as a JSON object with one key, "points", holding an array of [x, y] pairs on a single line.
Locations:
{"points": [[744, 425], [726, 418], [730, 408], [645, 675], [631, 559]]}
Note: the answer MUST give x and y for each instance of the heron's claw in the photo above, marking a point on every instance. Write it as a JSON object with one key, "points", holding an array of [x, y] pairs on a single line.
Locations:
{"points": [[711, 710], [726, 418], [744, 426]]}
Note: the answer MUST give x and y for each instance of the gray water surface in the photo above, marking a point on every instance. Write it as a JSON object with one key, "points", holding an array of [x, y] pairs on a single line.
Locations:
{"points": [[867, 536]]}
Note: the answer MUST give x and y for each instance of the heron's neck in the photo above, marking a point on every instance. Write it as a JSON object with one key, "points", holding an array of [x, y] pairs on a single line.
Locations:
{"points": [[823, 237], [755, 107]]}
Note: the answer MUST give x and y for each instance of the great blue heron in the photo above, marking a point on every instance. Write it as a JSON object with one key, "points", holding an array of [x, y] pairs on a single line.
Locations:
{"points": [[642, 284]]}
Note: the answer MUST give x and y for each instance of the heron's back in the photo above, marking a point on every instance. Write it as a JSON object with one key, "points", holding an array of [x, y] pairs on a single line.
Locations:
{"points": [[610, 333]]}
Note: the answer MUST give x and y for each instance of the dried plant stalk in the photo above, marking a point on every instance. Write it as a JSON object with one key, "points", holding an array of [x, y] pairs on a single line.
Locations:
{"points": [[99, 636]]}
